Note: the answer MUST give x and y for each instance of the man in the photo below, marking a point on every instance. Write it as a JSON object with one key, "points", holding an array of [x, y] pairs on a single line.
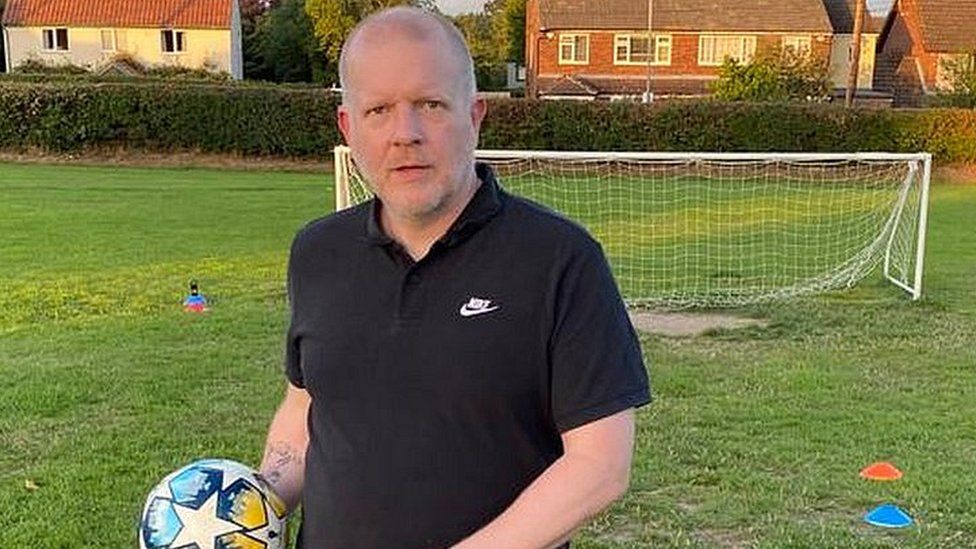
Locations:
{"points": [[461, 369]]}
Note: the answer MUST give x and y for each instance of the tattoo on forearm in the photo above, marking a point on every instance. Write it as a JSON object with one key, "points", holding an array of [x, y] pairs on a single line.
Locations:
{"points": [[278, 458]]}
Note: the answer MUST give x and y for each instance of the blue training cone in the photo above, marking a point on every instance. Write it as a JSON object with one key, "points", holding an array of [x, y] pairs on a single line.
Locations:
{"points": [[888, 516], [195, 303]]}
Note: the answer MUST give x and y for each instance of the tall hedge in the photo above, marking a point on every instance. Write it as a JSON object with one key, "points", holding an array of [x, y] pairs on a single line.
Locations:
{"points": [[266, 120], [248, 120], [950, 134]]}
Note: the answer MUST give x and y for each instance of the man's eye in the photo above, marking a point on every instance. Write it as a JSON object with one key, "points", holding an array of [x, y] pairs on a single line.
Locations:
{"points": [[379, 109], [433, 104]]}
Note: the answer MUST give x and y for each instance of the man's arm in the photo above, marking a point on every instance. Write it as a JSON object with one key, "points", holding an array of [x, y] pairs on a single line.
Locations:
{"points": [[593, 472], [284, 452]]}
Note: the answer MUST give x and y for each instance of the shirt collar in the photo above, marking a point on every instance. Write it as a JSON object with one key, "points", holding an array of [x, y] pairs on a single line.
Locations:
{"points": [[486, 202]]}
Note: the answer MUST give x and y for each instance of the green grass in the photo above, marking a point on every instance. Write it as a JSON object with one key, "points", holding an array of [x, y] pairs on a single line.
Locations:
{"points": [[755, 438]]}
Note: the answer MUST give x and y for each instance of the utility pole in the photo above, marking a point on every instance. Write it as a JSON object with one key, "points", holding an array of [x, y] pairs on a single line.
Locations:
{"points": [[651, 54], [855, 53]]}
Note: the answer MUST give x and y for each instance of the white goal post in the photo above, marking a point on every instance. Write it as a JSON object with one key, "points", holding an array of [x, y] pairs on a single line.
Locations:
{"points": [[725, 229]]}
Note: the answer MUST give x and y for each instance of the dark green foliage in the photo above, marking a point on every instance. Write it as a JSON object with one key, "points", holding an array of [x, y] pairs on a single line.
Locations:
{"points": [[724, 126], [77, 113], [961, 73], [36, 66], [212, 118], [488, 49], [778, 75], [281, 47]]}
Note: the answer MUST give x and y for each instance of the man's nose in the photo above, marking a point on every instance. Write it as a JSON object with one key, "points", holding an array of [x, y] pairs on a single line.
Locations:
{"points": [[407, 126]]}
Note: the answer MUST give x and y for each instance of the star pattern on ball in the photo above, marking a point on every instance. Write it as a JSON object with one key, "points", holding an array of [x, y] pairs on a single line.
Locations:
{"points": [[202, 526]]}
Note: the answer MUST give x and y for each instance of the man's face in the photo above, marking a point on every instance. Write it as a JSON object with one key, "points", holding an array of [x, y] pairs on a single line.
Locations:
{"points": [[411, 125]]}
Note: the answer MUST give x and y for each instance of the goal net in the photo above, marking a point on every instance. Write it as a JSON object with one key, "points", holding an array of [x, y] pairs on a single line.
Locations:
{"points": [[725, 229]]}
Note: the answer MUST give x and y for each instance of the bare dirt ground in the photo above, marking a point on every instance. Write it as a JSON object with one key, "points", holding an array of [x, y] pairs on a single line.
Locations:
{"points": [[688, 324], [960, 174], [171, 160]]}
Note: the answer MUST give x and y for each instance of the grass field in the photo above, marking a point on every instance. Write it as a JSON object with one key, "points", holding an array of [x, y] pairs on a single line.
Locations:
{"points": [[755, 438]]}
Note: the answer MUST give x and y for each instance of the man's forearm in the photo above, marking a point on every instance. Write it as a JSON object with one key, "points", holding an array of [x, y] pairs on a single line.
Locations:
{"points": [[283, 467], [561, 500], [284, 452], [592, 473]]}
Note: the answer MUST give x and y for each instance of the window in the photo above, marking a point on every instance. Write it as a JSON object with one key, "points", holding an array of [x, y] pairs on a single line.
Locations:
{"points": [[574, 49], [173, 41], [108, 40], [631, 49], [798, 45], [713, 49], [55, 39]]}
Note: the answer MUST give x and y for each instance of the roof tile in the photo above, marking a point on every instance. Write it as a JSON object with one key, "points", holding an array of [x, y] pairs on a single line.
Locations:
{"points": [[948, 25], [687, 15], [120, 13]]}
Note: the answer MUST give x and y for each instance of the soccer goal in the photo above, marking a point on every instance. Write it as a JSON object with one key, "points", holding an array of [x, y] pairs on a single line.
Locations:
{"points": [[726, 229]]}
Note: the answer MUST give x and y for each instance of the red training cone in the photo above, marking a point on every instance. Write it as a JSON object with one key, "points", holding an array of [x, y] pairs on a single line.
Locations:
{"points": [[881, 471]]}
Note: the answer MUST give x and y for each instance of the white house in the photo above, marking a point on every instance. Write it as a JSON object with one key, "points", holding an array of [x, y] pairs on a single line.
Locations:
{"points": [[89, 33]]}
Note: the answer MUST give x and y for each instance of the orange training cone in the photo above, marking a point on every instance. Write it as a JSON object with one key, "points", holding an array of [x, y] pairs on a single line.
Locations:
{"points": [[881, 471]]}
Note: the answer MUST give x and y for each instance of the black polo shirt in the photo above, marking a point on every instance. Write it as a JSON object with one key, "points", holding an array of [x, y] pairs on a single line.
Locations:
{"points": [[440, 387]]}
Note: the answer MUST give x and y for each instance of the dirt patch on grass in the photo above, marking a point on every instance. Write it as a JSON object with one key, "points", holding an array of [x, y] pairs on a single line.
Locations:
{"points": [[958, 174], [122, 157], [724, 538], [689, 324]]}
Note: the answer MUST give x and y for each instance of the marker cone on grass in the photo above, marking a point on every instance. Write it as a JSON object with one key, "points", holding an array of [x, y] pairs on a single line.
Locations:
{"points": [[195, 303], [888, 516], [881, 470]]}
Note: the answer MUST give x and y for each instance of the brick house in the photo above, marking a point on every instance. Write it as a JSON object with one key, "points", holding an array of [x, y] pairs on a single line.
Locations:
{"points": [[92, 33], [592, 49], [841, 13], [918, 38]]}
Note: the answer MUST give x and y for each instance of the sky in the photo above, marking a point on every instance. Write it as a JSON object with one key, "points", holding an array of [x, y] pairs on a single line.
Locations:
{"points": [[454, 7]]}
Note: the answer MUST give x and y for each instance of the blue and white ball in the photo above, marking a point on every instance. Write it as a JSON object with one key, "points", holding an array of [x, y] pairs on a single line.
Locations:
{"points": [[213, 504]]}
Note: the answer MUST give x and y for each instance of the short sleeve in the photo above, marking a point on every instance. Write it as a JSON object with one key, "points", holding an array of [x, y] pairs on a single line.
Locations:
{"points": [[293, 359], [597, 366]]}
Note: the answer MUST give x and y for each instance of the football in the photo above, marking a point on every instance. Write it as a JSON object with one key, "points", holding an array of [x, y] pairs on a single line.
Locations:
{"points": [[213, 504]]}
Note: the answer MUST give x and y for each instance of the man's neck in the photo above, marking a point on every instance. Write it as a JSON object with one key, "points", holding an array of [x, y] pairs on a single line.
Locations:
{"points": [[417, 235]]}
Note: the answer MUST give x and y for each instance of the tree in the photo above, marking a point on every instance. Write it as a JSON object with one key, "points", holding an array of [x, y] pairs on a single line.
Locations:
{"points": [[333, 19], [777, 75], [961, 78], [251, 13], [284, 48], [488, 48], [508, 19]]}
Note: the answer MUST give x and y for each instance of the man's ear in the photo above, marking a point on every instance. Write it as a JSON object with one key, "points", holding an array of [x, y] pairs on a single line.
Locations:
{"points": [[342, 117], [479, 107]]}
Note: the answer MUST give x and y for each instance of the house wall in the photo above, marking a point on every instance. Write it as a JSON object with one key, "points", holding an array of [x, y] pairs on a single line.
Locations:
{"points": [[203, 47], [840, 61], [905, 41], [684, 54]]}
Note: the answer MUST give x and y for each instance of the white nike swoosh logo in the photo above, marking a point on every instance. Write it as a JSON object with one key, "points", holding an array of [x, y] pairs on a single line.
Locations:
{"points": [[466, 310]]}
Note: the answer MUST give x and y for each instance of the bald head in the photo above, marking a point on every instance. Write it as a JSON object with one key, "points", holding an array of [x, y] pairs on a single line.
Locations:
{"points": [[411, 24]]}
